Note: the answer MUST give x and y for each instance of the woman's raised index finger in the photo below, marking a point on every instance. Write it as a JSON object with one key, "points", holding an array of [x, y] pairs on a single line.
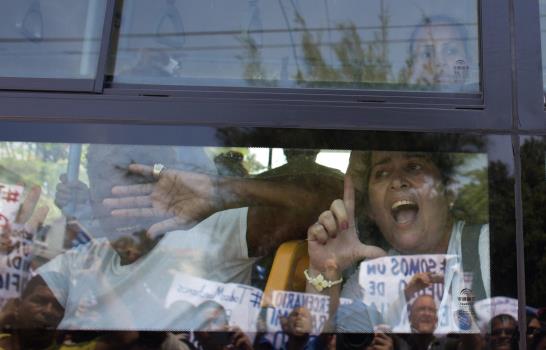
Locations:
{"points": [[349, 199]]}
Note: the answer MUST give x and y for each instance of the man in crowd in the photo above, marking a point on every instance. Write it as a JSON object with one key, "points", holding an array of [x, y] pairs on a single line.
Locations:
{"points": [[32, 319], [503, 334], [213, 330], [423, 315], [423, 318]]}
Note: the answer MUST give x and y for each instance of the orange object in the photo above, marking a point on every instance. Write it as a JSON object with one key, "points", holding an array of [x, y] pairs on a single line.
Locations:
{"points": [[291, 259]]}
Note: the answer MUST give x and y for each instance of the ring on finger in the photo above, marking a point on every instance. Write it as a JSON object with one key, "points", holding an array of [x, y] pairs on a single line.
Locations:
{"points": [[157, 170]]}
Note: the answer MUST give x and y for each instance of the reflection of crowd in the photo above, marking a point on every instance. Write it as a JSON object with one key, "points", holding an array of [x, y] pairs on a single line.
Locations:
{"points": [[156, 223]]}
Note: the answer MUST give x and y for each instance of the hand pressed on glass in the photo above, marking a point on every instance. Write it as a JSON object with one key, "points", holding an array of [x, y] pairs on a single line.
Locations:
{"points": [[179, 199]]}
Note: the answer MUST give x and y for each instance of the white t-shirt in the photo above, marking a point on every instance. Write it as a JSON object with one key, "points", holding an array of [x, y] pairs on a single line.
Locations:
{"points": [[397, 315], [99, 293]]}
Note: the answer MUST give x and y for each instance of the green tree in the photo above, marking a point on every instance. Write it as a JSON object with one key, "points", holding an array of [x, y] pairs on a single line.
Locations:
{"points": [[472, 203], [251, 59], [37, 164], [359, 61], [251, 164]]}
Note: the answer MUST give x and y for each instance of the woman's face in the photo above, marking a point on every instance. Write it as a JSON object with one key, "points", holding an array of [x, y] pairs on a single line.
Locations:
{"points": [[408, 202], [440, 56]]}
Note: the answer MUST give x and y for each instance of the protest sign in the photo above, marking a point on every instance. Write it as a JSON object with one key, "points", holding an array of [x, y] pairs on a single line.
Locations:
{"points": [[384, 279], [15, 259], [283, 303], [241, 302], [10, 200]]}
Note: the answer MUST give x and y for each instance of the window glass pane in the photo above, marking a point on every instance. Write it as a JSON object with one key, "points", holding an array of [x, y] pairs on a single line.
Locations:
{"points": [[50, 39], [533, 151], [542, 5], [381, 44], [232, 241]]}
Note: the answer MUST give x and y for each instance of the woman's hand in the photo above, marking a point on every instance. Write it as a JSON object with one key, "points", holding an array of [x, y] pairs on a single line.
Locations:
{"points": [[333, 240], [179, 199]]}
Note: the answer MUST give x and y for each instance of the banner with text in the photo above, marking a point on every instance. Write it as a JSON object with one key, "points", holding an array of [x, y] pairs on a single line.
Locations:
{"points": [[240, 302], [384, 280], [15, 247], [283, 303]]}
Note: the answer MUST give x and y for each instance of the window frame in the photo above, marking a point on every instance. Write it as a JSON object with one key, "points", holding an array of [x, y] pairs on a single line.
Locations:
{"points": [[68, 84], [530, 91], [382, 110], [495, 81]]}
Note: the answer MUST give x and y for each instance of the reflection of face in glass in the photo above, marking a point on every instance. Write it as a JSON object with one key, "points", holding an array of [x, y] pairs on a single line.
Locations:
{"points": [[299, 322], [532, 328], [212, 317], [503, 329], [212, 327], [408, 202], [423, 316], [439, 55], [39, 309], [216, 320]]}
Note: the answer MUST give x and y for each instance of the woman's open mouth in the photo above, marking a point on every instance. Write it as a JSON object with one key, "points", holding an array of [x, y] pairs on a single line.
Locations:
{"points": [[404, 211]]}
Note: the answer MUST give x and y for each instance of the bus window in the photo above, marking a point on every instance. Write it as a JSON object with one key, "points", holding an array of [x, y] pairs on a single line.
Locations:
{"points": [[542, 7], [51, 39], [388, 240], [388, 45]]}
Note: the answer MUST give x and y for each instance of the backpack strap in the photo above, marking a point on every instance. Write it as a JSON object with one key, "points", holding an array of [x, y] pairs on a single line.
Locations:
{"points": [[470, 249]]}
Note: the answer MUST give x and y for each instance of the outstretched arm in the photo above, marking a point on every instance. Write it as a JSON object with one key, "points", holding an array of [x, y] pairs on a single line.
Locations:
{"points": [[279, 210]]}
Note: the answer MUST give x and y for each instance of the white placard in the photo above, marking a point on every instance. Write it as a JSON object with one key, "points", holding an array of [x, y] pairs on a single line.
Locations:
{"points": [[384, 280], [283, 303], [15, 263], [241, 302], [10, 201]]}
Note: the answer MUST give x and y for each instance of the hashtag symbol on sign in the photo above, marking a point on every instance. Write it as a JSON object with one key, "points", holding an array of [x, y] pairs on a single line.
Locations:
{"points": [[256, 298], [11, 196]]}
